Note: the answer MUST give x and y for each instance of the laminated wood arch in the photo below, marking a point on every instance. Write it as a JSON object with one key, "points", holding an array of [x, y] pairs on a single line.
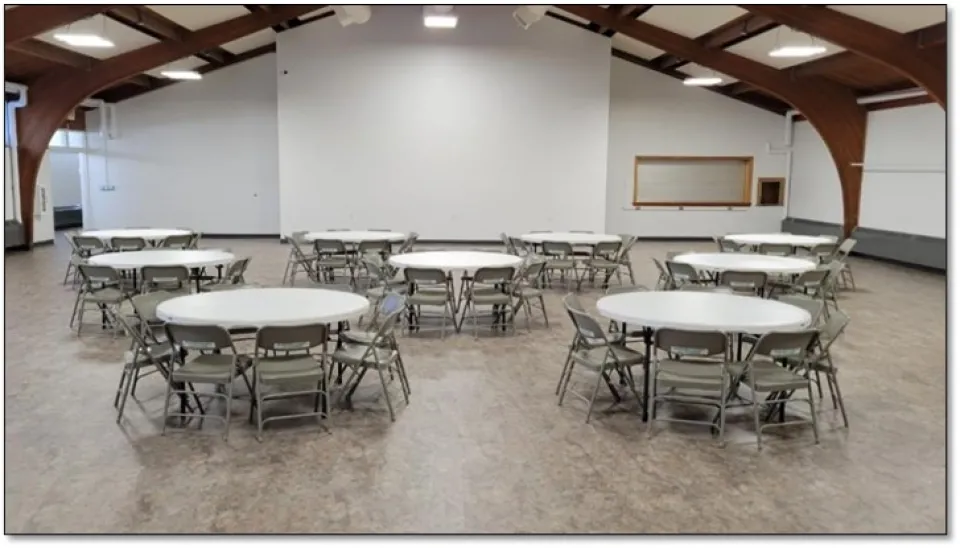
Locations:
{"points": [[832, 109], [53, 96]]}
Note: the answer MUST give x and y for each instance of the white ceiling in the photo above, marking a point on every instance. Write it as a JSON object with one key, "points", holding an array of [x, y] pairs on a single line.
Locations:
{"points": [[758, 47], [198, 16], [694, 69], [639, 49], [901, 18], [690, 21], [124, 38], [186, 63], [251, 41]]}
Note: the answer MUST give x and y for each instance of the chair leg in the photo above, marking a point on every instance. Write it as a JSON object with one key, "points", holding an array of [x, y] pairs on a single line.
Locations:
{"points": [[76, 304], [543, 307], [563, 372], [166, 405], [723, 411], [566, 380], [386, 394], [813, 414], [831, 377], [123, 377], [593, 398]]}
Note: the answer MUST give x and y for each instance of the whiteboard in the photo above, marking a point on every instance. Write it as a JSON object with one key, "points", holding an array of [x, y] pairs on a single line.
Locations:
{"points": [[682, 180]]}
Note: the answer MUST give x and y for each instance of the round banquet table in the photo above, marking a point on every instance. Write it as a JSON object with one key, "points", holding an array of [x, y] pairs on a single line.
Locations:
{"points": [[355, 236], [794, 240], [572, 238], [259, 307], [148, 234], [698, 311], [466, 261], [747, 262], [190, 258]]}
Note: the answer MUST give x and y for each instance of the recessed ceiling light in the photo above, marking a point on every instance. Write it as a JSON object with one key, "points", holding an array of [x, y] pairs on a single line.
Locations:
{"points": [[703, 81], [798, 51], [439, 17], [182, 74], [83, 40]]}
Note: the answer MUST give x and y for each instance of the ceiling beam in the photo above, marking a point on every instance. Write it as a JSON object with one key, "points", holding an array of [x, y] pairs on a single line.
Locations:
{"points": [[729, 34], [55, 54], [151, 23], [56, 93], [254, 8], [631, 11], [893, 49], [23, 22], [831, 108]]}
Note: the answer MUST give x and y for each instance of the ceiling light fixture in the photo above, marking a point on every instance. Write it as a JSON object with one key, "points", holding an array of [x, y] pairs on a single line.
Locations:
{"points": [[439, 17], [528, 15], [182, 74], [802, 49], [703, 81], [352, 15], [85, 39]]}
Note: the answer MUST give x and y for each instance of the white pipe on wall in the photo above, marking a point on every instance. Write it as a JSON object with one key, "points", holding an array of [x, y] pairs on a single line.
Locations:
{"points": [[11, 114]]}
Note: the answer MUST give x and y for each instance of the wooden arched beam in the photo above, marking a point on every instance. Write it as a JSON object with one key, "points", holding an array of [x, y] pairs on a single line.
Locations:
{"points": [[831, 108], [54, 95], [893, 49]]}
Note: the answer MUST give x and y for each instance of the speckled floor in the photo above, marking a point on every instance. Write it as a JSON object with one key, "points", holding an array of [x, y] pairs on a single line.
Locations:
{"points": [[482, 447]]}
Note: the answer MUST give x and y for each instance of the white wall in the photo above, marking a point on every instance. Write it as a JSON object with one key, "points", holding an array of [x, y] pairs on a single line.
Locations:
{"points": [[653, 114], [454, 134], [65, 177], [201, 155], [904, 182]]}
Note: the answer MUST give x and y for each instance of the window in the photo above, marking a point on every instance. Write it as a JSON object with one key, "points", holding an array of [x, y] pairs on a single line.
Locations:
{"points": [[708, 181]]}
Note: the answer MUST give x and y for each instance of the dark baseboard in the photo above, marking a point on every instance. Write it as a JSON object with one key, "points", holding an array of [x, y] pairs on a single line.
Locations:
{"points": [[240, 236], [921, 252], [673, 238]]}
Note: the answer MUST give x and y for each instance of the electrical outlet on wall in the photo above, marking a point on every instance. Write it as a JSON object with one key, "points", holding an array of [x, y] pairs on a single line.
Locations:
{"points": [[108, 188]]}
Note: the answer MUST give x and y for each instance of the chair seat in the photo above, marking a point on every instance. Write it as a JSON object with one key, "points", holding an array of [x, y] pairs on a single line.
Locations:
{"points": [[356, 354], [602, 264], [332, 262], [770, 377], [359, 337], [420, 298], [105, 295], [691, 374], [492, 298], [528, 292], [598, 358], [560, 263], [155, 353], [206, 368], [283, 369]]}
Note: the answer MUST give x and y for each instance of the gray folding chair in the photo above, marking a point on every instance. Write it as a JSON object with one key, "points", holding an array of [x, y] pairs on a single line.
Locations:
{"points": [[779, 365], [180, 241], [101, 287], [333, 256], [490, 286], [744, 282], [692, 367], [232, 278], [592, 349], [173, 279], [624, 255], [284, 359], [727, 246], [123, 243], [822, 361], [605, 261], [381, 354], [809, 283], [301, 261], [529, 292], [846, 274], [682, 274], [560, 257], [146, 354], [432, 288], [778, 250], [216, 362]]}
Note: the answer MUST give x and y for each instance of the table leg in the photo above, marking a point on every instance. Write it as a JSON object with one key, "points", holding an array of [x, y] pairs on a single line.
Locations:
{"points": [[647, 343]]}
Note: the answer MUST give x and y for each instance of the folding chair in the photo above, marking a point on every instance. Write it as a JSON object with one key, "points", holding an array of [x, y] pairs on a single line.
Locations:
{"points": [[493, 287]]}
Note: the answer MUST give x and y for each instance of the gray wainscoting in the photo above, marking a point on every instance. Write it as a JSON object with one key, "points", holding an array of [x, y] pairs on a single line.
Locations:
{"points": [[910, 249]]}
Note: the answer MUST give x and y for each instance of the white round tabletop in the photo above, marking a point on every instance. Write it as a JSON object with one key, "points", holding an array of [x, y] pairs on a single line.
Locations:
{"points": [[150, 234], [190, 258], [355, 236], [795, 240], [468, 261], [747, 262], [698, 311], [573, 238], [258, 307]]}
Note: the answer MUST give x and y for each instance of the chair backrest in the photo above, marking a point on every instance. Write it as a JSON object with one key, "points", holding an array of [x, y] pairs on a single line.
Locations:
{"points": [[557, 249], [845, 248], [581, 232], [236, 270], [742, 281], [329, 247], [823, 251], [532, 270], [691, 344], [291, 338], [508, 243], [627, 243], [141, 340], [372, 264], [145, 306], [379, 229], [204, 338], [606, 249], [428, 276], [123, 243], [88, 243], [493, 275], [298, 236], [94, 275], [681, 272], [373, 247], [784, 345], [392, 302], [814, 307], [831, 329], [617, 290], [775, 249], [812, 279], [195, 241], [572, 302], [727, 246], [407, 244], [178, 241], [587, 327], [164, 276], [540, 231]]}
